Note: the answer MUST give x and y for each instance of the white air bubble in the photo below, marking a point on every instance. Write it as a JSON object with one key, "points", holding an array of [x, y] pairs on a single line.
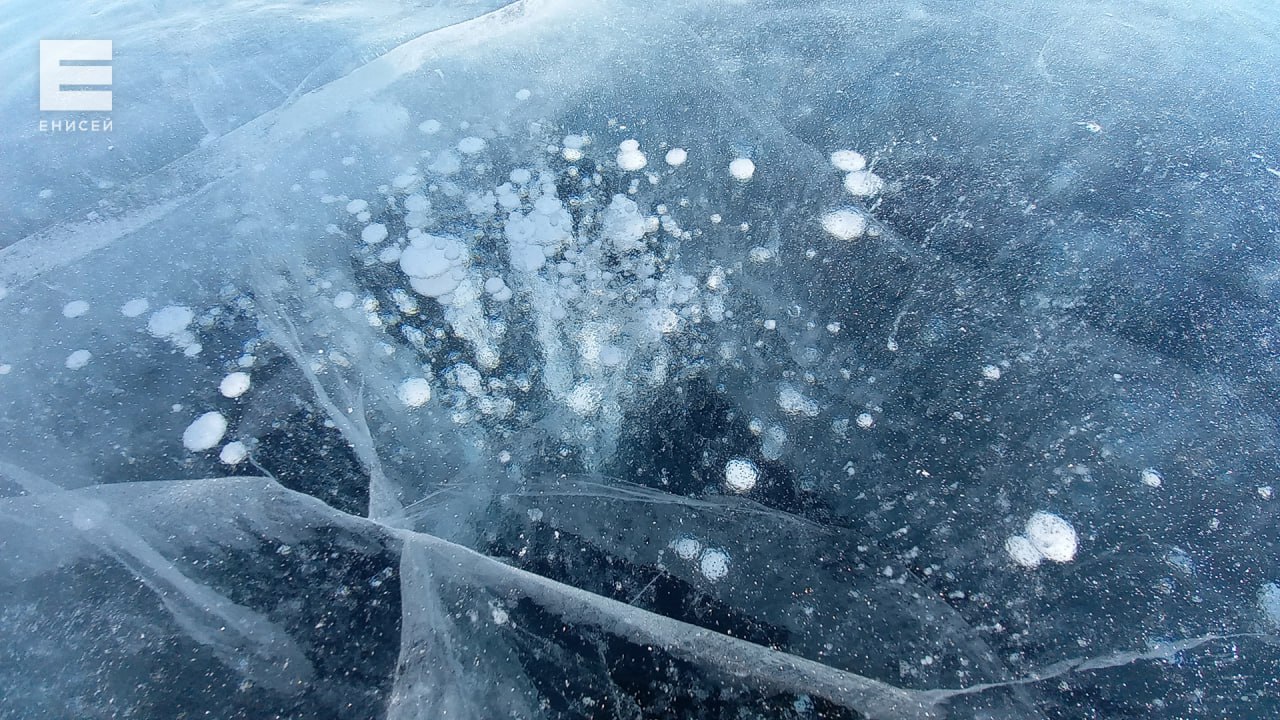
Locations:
{"points": [[863, 183], [414, 392], [170, 322], [1151, 478], [742, 169], [848, 160], [741, 475], [714, 564], [204, 432], [234, 453], [75, 309], [629, 158], [793, 402], [686, 548], [865, 421], [1022, 552], [471, 145], [1053, 536], [134, 307], [374, 234], [234, 385], [78, 359], [677, 157], [990, 372], [1269, 602], [844, 224]]}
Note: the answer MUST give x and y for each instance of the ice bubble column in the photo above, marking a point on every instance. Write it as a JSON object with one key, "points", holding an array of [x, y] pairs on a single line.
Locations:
{"points": [[439, 267]]}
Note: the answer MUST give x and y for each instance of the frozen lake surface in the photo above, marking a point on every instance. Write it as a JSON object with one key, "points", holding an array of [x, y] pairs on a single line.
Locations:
{"points": [[569, 359]]}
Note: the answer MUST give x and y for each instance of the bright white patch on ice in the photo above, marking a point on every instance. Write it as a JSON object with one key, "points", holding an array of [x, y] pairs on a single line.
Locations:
{"points": [[793, 402], [499, 614], [629, 157], [414, 392], [374, 234], [5, 368], [204, 432], [467, 378], [344, 300], [686, 547], [1269, 601], [677, 157], [865, 421], [741, 475], [848, 160], [170, 322], [845, 224], [523, 94], [78, 359], [863, 183], [429, 127], [714, 564], [1151, 478], [1052, 536], [990, 372], [75, 309], [584, 399], [1022, 551], [497, 289], [539, 234], [470, 145], [234, 385], [233, 453], [356, 207], [742, 169], [135, 307], [435, 264]]}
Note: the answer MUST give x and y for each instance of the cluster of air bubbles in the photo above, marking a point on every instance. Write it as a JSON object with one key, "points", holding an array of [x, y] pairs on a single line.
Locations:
{"points": [[560, 277], [712, 563]]}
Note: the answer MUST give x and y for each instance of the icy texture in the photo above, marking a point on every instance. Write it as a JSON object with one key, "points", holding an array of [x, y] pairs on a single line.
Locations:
{"points": [[610, 361]]}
